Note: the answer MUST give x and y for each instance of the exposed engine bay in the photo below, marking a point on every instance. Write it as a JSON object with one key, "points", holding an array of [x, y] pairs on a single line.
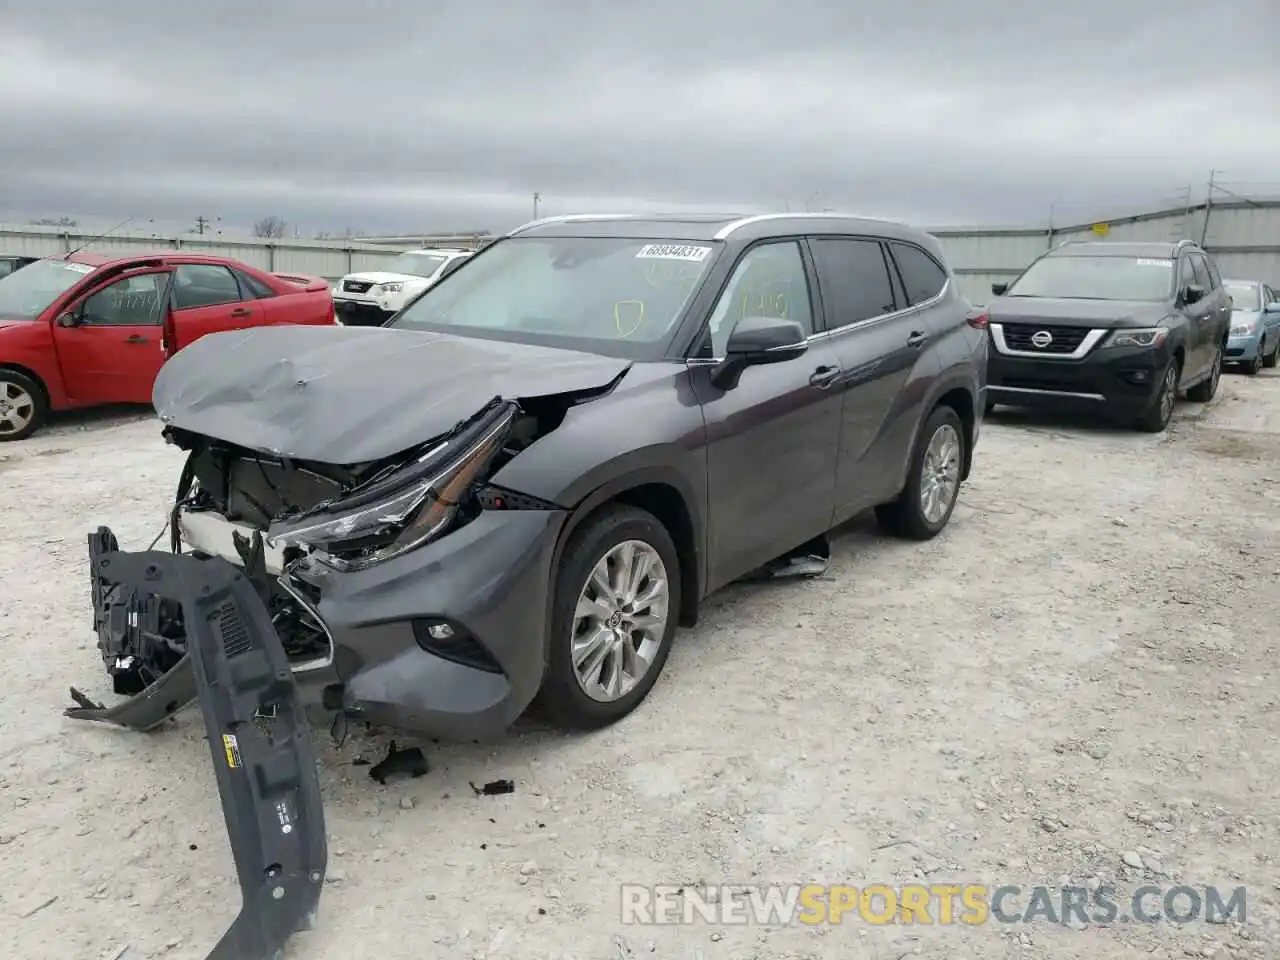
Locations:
{"points": [[342, 516]]}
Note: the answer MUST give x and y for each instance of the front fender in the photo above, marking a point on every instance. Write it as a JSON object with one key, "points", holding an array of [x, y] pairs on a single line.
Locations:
{"points": [[28, 346]]}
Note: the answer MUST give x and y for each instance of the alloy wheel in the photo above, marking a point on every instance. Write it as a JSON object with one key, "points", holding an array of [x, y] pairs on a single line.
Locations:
{"points": [[17, 408], [1169, 393], [940, 473], [620, 620]]}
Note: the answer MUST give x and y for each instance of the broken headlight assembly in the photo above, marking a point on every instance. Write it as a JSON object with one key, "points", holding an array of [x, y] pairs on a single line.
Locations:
{"points": [[396, 514]]}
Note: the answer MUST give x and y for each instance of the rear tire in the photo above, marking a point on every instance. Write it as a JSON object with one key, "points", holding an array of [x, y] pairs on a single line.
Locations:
{"points": [[563, 695], [23, 406], [988, 407], [1207, 389], [943, 436]]}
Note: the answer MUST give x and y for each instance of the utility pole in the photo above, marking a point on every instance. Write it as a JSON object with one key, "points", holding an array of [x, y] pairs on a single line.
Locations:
{"points": [[201, 223], [1208, 205], [537, 198]]}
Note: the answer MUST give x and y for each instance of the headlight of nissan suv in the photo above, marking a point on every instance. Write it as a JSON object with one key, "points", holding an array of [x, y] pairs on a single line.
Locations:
{"points": [[397, 514], [1146, 337]]}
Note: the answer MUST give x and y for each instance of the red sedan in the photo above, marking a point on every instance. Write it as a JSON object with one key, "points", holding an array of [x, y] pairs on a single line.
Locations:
{"points": [[87, 330]]}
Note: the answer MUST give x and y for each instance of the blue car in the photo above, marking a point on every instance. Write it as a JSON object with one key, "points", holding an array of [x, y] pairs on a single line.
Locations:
{"points": [[1255, 325]]}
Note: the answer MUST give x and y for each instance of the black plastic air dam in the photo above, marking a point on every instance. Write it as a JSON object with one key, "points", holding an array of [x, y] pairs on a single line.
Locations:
{"points": [[267, 781]]}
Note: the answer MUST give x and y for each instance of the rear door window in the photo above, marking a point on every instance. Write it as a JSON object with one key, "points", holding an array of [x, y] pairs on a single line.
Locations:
{"points": [[204, 285], [854, 278]]}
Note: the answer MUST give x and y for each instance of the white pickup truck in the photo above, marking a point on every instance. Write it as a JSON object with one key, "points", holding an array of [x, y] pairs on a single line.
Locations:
{"points": [[370, 298]]}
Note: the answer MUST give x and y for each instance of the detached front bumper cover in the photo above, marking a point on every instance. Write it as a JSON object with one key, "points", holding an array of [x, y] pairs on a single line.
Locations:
{"points": [[258, 735]]}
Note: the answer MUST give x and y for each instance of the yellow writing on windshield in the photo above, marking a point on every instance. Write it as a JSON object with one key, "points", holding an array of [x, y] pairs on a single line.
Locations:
{"points": [[628, 315]]}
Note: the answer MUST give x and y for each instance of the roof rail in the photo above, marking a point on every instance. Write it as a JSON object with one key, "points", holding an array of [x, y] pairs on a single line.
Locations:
{"points": [[571, 218], [724, 232]]}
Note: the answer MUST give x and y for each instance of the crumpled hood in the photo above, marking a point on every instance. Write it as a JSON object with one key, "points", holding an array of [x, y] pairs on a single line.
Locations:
{"points": [[1238, 317], [1076, 313], [346, 395]]}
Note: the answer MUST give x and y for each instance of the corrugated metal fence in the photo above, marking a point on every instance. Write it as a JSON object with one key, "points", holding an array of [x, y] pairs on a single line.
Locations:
{"points": [[1243, 235], [1244, 238]]}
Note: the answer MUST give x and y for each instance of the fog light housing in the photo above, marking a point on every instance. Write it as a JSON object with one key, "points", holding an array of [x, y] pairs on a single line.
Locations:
{"points": [[450, 640]]}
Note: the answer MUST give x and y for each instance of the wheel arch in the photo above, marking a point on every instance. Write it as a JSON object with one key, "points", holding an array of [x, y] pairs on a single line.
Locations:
{"points": [[32, 376], [960, 393], [665, 495]]}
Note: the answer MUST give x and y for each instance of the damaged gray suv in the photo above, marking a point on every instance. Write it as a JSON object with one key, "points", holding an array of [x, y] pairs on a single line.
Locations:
{"points": [[524, 482]]}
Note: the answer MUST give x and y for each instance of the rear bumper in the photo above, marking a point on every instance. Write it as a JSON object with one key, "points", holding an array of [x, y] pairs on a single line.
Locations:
{"points": [[1124, 379]]}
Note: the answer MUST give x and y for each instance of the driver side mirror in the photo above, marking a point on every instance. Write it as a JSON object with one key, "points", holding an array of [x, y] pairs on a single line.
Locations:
{"points": [[1192, 293], [757, 341], [1272, 307], [69, 319]]}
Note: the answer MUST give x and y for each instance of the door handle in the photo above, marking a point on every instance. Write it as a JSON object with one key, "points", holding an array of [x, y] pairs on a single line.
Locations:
{"points": [[136, 338], [917, 338], [824, 377], [241, 312]]}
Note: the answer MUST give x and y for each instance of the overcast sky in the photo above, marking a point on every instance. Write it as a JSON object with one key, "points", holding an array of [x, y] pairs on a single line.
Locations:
{"points": [[391, 116]]}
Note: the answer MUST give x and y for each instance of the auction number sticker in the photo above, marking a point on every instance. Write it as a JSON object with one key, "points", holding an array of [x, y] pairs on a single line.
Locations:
{"points": [[232, 747], [80, 267], [1167, 264], [673, 251]]}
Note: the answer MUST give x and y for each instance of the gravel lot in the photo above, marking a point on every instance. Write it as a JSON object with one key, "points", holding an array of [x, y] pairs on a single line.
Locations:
{"points": [[1079, 672]]}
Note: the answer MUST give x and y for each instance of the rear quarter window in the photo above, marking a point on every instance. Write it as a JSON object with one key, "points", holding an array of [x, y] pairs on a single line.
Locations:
{"points": [[922, 276], [254, 289]]}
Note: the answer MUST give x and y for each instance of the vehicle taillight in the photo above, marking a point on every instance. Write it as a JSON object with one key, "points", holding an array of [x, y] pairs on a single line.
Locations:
{"points": [[978, 320]]}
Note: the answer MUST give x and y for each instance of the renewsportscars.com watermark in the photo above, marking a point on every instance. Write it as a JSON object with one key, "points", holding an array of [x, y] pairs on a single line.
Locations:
{"points": [[940, 903]]}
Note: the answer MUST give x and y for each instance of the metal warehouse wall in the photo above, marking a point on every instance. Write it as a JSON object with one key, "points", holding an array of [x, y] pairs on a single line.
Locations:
{"points": [[330, 259], [1244, 238], [1243, 235]]}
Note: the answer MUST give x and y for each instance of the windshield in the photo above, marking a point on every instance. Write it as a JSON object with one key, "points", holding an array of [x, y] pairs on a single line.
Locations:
{"points": [[27, 293], [1096, 278], [619, 297], [416, 264], [1244, 296]]}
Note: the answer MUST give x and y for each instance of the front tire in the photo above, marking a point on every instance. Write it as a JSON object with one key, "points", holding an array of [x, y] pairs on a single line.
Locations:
{"points": [[1269, 361], [932, 489], [23, 407], [615, 608], [1160, 412]]}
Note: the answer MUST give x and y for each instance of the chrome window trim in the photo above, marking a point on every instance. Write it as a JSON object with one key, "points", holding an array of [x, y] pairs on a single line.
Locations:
{"points": [[856, 324]]}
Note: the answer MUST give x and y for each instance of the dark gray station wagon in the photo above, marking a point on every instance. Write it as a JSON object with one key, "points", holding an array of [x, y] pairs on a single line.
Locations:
{"points": [[524, 481]]}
